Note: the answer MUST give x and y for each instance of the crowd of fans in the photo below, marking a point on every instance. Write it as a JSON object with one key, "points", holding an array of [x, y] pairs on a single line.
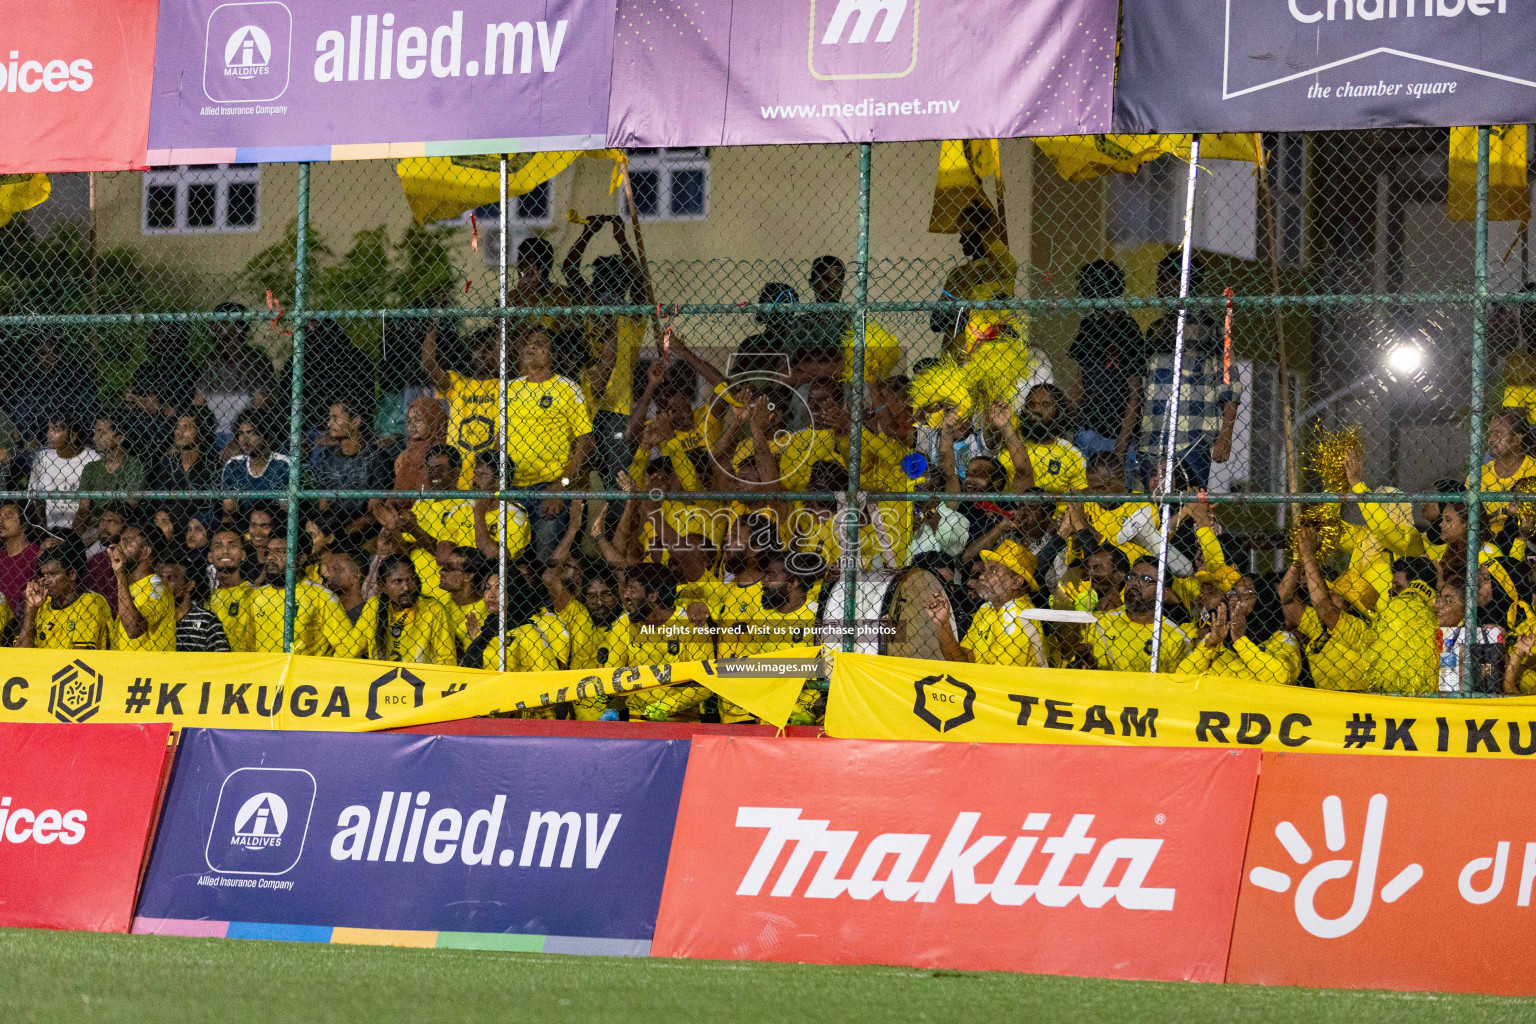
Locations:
{"points": [[1063, 577]]}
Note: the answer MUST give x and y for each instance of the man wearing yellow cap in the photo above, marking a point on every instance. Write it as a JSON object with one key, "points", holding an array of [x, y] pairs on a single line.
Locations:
{"points": [[1000, 634]]}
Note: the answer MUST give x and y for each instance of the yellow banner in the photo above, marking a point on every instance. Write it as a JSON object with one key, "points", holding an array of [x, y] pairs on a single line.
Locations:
{"points": [[874, 697], [279, 691]]}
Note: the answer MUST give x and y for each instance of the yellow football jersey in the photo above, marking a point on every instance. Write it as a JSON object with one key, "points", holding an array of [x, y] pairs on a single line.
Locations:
{"points": [[1120, 645], [84, 624], [154, 601], [261, 620], [1003, 636], [543, 419], [228, 603], [473, 421]]}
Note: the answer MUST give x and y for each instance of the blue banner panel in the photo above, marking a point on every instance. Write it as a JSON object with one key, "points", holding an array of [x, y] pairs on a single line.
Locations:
{"points": [[534, 837]]}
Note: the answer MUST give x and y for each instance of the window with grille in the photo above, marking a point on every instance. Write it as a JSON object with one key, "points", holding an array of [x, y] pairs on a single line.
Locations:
{"points": [[668, 184], [202, 199], [534, 210]]}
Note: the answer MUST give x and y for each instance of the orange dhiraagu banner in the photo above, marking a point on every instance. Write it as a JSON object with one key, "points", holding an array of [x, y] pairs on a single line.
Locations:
{"points": [[74, 92], [1061, 860], [1410, 873]]}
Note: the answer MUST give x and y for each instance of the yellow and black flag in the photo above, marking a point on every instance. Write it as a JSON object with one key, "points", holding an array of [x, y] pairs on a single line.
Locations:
{"points": [[1081, 157], [440, 187], [963, 163], [1509, 198]]}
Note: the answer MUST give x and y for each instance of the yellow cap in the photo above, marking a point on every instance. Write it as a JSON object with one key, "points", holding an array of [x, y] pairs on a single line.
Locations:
{"points": [[1014, 557]]}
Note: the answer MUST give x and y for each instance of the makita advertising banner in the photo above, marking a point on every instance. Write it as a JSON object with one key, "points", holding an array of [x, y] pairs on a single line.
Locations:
{"points": [[475, 842], [1402, 874], [749, 72], [74, 85], [1084, 861], [1304, 65], [337, 79], [76, 806]]}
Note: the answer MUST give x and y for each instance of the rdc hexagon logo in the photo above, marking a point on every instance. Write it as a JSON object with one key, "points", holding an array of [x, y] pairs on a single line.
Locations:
{"points": [[76, 692], [395, 698], [944, 702]]}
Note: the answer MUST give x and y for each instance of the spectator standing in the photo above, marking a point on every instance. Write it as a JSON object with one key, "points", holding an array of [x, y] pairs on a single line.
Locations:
{"points": [[1111, 356], [18, 555], [347, 462], [549, 434], [197, 628], [235, 376], [55, 385], [116, 470], [1207, 398], [613, 342], [58, 468], [473, 419], [833, 332], [257, 467]]}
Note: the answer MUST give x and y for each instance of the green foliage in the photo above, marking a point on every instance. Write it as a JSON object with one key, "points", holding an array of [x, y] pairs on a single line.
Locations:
{"points": [[55, 276], [374, 273]]}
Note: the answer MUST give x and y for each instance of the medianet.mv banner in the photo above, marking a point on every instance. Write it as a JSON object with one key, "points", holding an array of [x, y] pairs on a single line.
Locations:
{"points": [[474, 842], [1311, 65]]}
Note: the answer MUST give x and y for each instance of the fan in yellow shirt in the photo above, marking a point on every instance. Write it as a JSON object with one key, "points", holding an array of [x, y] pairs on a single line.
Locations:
{"points": [[549, 428], [473, 416], [261, 619], [57, 615], [1056, 466], [1000, 633], [146, 611], [1121, 640], [402, 625], [226, 553], [655, 630], [461, 571], [1248, 638], [1508, 462]]}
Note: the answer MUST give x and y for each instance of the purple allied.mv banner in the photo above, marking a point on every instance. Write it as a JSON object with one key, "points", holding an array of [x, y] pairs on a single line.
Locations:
{"points": [[474, 842], [343, 79]]}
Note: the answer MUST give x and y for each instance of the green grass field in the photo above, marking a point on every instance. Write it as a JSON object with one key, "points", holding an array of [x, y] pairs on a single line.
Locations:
{"points": [[72, 976]]}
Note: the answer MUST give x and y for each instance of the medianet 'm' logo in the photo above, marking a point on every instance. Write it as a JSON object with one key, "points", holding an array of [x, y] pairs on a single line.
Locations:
{"points": [[260, 822]]}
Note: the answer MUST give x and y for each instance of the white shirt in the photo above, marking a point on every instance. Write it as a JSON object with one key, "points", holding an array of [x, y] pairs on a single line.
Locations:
{"points": [[52, 473], [949, 536]]}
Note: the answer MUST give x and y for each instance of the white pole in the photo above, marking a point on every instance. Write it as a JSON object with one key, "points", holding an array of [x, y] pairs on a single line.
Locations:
{"points": [[1173, 399], [501, 475]]}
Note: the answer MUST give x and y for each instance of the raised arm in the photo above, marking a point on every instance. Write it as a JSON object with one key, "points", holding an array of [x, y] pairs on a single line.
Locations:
{"points": [[429, 365]]}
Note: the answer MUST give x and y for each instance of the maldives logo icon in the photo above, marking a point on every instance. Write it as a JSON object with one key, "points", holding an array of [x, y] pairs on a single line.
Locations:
{"points": [[248, 52], [261, 821]]}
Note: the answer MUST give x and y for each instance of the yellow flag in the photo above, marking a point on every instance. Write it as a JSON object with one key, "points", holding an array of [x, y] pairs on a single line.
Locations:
{"points": [[962, 165], [1081, 157], [21, 192], [440, 187], [1508, 196]]}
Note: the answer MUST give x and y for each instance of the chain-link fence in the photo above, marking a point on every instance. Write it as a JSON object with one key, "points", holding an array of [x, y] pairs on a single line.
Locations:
{"points": [[729, 401]]}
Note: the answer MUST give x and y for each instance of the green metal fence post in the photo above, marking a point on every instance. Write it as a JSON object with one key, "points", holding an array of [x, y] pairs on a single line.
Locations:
{"points": [[295, 409], [856, 404], [1474, 506]]}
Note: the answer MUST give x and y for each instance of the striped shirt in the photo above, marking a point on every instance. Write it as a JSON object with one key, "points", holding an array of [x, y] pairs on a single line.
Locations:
{"points": [[200, 630]]}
